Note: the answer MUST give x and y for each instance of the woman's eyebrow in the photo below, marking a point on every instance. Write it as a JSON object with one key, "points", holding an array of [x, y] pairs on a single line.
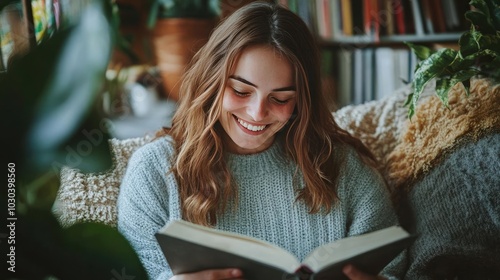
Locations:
{"points": [[289, 88], [238, 78]]}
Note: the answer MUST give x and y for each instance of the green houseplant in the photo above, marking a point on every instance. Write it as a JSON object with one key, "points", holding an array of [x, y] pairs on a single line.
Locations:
{"points": [[478, 56], [179, 29], [48, 96]]}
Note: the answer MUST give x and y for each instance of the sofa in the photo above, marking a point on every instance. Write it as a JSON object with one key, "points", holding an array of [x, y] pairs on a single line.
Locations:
{"points": [[442, 168]]}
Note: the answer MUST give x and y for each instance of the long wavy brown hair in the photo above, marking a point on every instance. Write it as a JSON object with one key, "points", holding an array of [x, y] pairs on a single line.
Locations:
{"points": [[311, 138]]}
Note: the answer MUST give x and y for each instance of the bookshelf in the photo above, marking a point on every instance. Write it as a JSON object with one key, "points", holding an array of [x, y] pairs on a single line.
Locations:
{"points": [[366, 39]]}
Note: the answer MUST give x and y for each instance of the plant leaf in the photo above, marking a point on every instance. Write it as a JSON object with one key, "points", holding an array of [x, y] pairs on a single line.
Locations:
{"points": [[481, 6], [490, 42], [462, 64], [494, 8], [474, 60], [69, 95], [492, 69], [153, 14], [422, 52], [81, 251], [102, 251], [481, 21], [443, 86], [468, 44], [408, 102], [430, 68]]}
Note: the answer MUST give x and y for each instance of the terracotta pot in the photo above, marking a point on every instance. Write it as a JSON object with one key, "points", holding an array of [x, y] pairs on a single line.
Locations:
{"points": [[175, 41]]}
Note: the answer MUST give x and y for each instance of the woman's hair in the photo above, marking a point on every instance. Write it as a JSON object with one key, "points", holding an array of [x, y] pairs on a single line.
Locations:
{"points": [[310, 138]]}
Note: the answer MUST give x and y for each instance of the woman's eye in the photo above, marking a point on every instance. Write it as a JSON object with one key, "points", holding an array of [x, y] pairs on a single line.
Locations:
{"points": [[239, 93], [279, 101]]}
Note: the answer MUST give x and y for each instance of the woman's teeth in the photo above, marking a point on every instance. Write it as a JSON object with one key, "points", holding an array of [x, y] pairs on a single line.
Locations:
{"points": [[251, 127]]}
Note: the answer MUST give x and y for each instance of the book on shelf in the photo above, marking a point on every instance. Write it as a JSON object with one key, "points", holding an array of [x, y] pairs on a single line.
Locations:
{"points": [[402, 63], [323, 19], [357, 87], [368, 74], [418, 21], [438, 16], [347, 22], [345, 76], [385, 73], [189, 248], [371, 19], [336, 18], [409, 17], [451, 16], [386, 17], [399, 16], [357, 17], [426, 9]]}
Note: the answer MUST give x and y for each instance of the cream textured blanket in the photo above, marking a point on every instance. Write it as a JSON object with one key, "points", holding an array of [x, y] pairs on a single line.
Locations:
{"points": [[92, 197]]}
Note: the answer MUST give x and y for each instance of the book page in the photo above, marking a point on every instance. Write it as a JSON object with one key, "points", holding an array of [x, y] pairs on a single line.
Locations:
{"points": [[349, 247], [237, 244]]}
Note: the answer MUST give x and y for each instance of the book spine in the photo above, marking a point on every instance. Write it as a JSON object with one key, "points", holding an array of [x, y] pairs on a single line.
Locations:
{"points": [[371, 19], [388, 11], [347, 18], [336, 18], [438, 16], [324, 25], [451, 15], [399, 14], [384, 72], [368, 73], [358, 78], [417, 17], [427, 16], [345, 78]]}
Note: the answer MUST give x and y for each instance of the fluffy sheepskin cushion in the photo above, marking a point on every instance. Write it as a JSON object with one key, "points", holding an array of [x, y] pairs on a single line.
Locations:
{"points": [[435, 131]]}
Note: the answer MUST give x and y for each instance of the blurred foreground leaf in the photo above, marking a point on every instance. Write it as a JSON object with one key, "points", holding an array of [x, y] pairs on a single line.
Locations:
{"points": [[50, 119]]}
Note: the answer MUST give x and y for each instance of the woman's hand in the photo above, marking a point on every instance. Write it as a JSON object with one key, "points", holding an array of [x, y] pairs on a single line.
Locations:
{"points": [[213, 274], [355, 274]]}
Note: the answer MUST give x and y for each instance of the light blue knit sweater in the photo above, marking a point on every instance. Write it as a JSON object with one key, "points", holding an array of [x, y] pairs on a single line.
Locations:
{"points": [[267, 209]]}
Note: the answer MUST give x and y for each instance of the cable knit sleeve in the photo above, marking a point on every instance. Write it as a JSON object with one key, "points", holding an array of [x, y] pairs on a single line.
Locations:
{"points": [[147, 200], [369, 207]]}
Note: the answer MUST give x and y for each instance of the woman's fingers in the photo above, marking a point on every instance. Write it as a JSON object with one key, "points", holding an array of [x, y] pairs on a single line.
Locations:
{"points": [[355, 274]]}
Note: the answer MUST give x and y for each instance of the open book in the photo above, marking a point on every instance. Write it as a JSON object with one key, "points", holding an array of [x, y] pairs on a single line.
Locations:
{"points": [[189, 248]]}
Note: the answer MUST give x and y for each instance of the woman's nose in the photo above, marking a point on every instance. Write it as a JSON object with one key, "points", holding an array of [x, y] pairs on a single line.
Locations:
{"points": [[257, 109]]}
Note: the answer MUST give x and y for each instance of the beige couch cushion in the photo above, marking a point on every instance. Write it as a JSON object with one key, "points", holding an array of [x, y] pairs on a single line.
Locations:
{"points": [[92, 197]]}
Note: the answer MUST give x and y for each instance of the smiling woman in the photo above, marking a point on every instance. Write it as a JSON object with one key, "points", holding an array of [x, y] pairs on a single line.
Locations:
{"points": [[258, 100], [253, 149]]}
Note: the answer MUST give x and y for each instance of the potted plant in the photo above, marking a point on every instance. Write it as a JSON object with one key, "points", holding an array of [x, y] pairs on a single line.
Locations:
{"points": [[179, 30], [478, 56]]}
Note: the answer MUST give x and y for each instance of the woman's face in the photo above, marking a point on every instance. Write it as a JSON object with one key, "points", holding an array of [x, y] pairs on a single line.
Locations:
{"points": [[258, 100]]}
